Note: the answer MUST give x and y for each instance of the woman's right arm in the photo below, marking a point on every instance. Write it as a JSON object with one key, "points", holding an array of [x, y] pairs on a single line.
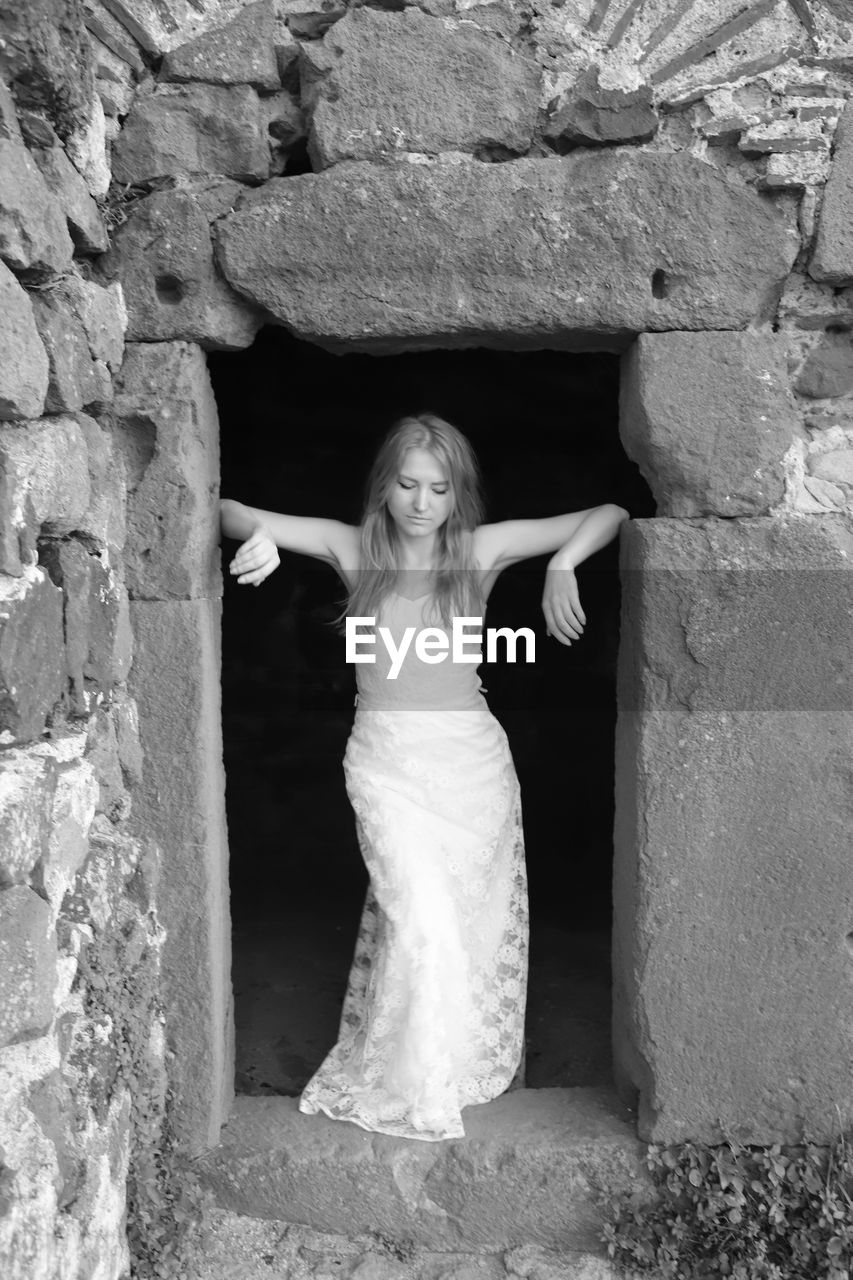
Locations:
{"points": [[261, 533]]}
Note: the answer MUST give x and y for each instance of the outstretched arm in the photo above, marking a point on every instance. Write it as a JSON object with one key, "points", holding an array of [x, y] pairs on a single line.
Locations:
{"points": [[560, 600], [262, 533]]}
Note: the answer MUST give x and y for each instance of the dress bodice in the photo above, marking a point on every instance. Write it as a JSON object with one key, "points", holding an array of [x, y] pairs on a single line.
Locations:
{"points": [[444, 686]]}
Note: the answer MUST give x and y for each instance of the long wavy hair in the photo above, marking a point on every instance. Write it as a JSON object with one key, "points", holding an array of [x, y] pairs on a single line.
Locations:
{"points": [[455, 582]]}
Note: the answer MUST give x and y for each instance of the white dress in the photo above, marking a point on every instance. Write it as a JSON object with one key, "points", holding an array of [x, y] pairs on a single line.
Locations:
{"points": [[433, 1018]]}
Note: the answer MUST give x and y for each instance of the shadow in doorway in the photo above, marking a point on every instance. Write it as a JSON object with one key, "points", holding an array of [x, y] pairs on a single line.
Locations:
{"points": [[299, 429]]}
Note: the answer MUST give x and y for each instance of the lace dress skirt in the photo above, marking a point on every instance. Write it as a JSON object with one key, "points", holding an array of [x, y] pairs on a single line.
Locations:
{"points": [[433, 1018]]}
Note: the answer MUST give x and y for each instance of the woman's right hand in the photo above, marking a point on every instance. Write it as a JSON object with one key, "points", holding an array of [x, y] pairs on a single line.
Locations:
{"points": [[256, 558]]}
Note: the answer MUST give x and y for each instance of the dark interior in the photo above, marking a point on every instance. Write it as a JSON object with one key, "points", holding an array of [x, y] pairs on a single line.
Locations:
{"points": [[299, 428]]}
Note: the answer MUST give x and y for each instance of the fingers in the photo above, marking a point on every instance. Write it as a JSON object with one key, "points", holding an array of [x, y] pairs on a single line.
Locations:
{"points": [[255, 560], [562, 622]]}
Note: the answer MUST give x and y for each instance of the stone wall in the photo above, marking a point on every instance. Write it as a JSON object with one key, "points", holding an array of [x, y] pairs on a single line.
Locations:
{"points": [[385, 177]]}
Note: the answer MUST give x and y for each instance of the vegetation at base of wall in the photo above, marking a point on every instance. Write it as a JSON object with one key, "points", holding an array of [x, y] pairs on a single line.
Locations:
{"points": [[165, 1203], [738, 1211]]}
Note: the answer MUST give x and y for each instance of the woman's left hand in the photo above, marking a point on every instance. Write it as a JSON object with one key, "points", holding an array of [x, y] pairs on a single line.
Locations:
{"points": [[561, 604]]}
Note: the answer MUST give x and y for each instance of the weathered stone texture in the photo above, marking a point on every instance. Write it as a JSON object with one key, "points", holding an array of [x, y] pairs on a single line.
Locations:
{"points": [[180, 808], [835, 466], [27, 787], [45, 58], [242, 52], [828, 368], [523, 1175], [27, 965], [733, 882], [33, 234], [708, 418], [32, 657], [556, 252], [73, 811], [188, 130], [591, 115], [832, 260], [164, 259], [90, 599], [166, 429], [74, 379], [82, 214], [381, 83], [47, 463], [24, 367]]}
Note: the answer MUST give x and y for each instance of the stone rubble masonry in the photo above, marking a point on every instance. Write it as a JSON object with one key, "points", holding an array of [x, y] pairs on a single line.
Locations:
{"points": [[594, 247], [48, 465], [33, 235], [832, 260], [591, 115], [380, 83], [32, 654], [828, 368], [242, 52], [74, 378], [158, 27], [73, 810], [82, 214], [166, 429], [163, 257], [27, 787], [708, 418], [27, 965], [180, 808], [733, 745], [45, 58], [187, 130], [24, 367], [90, 598]]}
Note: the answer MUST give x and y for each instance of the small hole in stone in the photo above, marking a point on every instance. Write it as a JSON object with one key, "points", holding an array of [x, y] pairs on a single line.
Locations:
{"points": [[169, 289], [849, 941], [837, 328], [659, 287]]}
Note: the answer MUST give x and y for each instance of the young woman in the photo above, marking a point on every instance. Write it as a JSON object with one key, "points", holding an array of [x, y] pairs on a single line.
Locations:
{"points": [[433, 1018]]}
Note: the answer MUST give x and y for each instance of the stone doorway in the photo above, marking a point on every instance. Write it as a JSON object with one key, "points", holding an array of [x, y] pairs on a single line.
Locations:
{"points": [[545, 428]]}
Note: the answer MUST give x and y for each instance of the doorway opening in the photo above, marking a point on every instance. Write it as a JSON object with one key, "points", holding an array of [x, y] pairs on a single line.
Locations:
{"points": [[299, 429]]}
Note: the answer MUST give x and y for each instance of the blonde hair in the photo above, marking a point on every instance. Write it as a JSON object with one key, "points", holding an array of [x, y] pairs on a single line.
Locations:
{"points": [[456, 586]]}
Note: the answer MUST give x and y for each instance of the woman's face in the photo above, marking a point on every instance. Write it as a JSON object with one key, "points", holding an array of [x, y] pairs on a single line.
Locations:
{"points": [[420, 498]]}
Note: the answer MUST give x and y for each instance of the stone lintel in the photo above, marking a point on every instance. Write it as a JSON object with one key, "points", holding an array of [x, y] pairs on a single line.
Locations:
{"points": [[532, 251]]}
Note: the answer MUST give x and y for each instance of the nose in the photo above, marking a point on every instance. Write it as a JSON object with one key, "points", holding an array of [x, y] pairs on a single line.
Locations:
{"points": [[421, 499]]}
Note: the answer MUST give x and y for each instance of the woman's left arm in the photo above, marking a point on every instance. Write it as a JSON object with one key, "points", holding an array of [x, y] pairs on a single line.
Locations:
{"points": [[560, 600]]}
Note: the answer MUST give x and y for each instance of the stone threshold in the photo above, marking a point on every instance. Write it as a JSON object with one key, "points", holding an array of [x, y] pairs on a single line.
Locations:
{"points": [[528, 1172]]}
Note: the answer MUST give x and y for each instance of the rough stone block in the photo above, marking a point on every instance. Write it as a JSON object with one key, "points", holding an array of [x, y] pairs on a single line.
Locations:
{"points": [[708, 418], [733, 889], [46, 60], [102, 313], [27, 965], [835, 466], [33, 235], [82, 215], [158, 28], [175, 681], [24, 368], [192, 130], [104, 520], [90, 599], [27, 787], [241, 52], [74, 380], [828, 368], [523, 1175], [310, 19], [382, 83], [32, 657], [832, 260], [73, 810], [46, 463], [164, 259], [591, 115], [567, 252], [166, 428]]}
